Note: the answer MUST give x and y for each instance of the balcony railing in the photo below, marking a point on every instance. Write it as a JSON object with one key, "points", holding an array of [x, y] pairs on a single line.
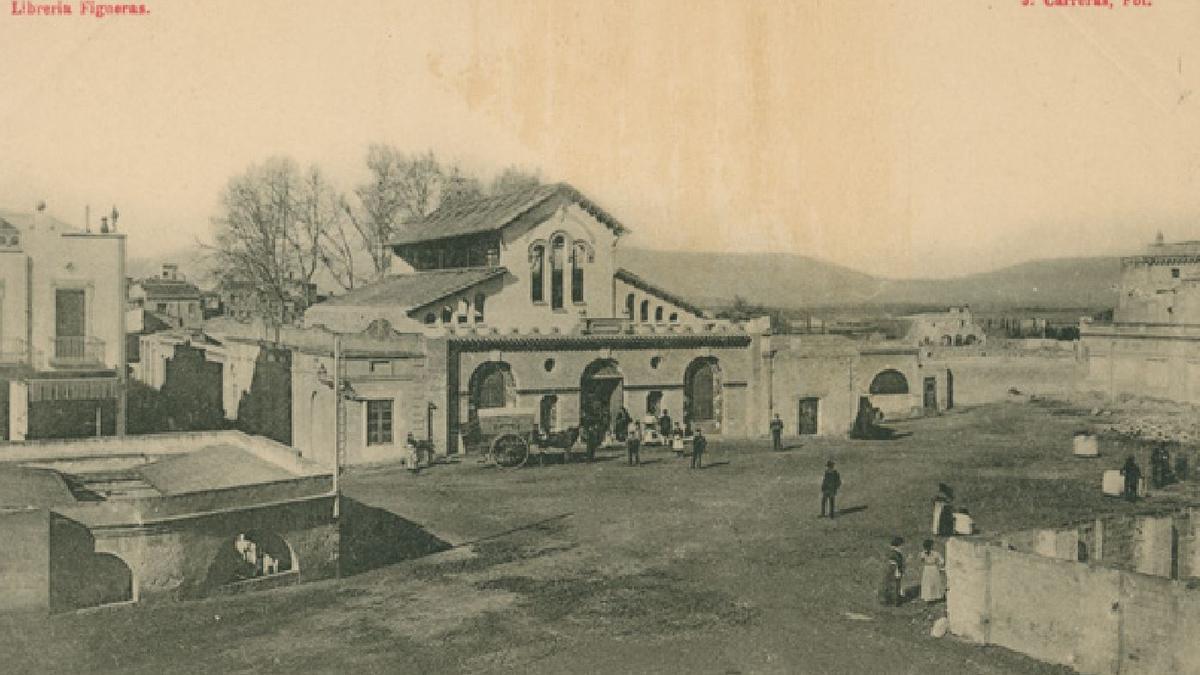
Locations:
{"points": [[77, 351], [12, 350]]}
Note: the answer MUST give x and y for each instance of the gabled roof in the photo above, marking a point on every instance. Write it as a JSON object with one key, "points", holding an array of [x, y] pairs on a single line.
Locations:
{"points": [[491, 214], [640, 283], [411, 291], [169, 289]]}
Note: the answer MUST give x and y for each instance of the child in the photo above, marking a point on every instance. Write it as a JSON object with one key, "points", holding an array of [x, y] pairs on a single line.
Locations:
{"points": [[933, 588], [677, 440]]}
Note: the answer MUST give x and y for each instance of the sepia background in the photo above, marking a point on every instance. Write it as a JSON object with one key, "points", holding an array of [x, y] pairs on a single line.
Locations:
{"points": [[900, 139]]}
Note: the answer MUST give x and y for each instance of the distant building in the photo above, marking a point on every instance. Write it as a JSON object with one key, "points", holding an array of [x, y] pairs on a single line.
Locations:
{"points": [[170, 296], [1152, 345], [954, 327], [62, 337], [244, 301]]}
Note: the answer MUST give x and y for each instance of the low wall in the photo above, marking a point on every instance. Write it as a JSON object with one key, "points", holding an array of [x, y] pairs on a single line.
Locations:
{"points": [[1124, 611]]}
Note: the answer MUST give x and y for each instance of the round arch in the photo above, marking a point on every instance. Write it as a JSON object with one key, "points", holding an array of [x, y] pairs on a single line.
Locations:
{"points": [[250, 554], [702, 405], [491, 386], [601, 395], [890, 381]]}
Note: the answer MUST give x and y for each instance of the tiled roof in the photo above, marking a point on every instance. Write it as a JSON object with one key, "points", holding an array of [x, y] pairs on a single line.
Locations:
{"points": [[638, 282], [490, 214], [411, 291], [169, 289]]}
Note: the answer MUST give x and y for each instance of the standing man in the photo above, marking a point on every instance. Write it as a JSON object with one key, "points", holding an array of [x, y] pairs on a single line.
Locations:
{"points": [[633, 443], [830, 484], [664, 425], [777, 433], [1132, 475], [699, 445]]}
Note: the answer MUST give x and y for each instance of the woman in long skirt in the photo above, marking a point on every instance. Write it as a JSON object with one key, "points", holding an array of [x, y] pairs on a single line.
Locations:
{"points": [[933, 588], [893, 575]]}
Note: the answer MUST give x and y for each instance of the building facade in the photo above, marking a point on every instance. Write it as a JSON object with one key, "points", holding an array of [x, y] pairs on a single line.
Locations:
{"points": [[1152, 345], [62, 335], [169, 296]]}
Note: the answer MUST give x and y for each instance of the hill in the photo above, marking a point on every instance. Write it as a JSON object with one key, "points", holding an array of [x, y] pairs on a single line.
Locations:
{"points": [[794, 281]]}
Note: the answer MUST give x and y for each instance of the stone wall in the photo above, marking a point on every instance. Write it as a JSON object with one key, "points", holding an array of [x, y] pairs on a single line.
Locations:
{"points": [[25, 560], [1122, 611]]}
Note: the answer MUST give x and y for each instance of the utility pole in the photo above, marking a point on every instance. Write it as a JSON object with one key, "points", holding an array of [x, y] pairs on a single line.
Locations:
{"points": [[339, 412]]}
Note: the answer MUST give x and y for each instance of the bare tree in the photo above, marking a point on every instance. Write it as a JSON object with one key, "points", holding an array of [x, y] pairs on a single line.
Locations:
{"points": [[400, 188], [264, 238], [321, 229], [513, 179]]}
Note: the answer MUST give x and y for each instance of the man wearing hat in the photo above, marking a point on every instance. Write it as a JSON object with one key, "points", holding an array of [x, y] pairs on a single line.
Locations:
{"points": [[830, 484]]}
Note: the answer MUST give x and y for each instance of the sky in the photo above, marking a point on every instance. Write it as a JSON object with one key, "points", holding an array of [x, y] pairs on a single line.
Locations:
{"points": [[906, 139]]}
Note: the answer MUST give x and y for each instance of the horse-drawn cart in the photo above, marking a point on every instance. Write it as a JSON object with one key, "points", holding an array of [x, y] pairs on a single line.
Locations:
{"points": [[510, 436]]}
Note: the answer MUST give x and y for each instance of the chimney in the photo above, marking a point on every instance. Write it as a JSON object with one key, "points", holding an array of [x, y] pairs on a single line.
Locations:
{"points": [[103, 224]]}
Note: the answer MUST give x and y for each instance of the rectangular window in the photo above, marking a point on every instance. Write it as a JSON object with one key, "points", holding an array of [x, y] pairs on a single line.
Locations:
{"points": [[379, 422], [381, 367], [1174, 272]]}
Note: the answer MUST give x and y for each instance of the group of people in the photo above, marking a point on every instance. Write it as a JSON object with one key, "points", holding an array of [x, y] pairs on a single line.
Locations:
{"points": [[635, 432], [948, 521]]}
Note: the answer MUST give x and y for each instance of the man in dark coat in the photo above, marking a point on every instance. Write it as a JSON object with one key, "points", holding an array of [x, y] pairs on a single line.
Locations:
{"points": [[831, 482], [1132, 475], [665, 424], [776, 433], [699, 445]]}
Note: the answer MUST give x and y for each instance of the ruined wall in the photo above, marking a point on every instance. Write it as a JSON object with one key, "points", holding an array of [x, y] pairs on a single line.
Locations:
{"points": [[1123, 611]]}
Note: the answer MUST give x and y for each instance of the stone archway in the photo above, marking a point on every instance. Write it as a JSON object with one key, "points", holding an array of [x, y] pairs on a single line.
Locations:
{"points": [[491, 386], [889, 381], [702, 405], [601, 394], [252, 554]]}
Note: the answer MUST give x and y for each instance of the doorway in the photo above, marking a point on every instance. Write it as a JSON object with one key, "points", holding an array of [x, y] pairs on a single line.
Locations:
{"points": [[949, 389], [601, 393], [931, 404], [808, 420]]}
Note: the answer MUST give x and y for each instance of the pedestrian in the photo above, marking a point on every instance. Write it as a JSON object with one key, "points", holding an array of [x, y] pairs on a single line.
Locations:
{"points": [[933, 588], [777, 433], [830, 484], [591, 437], [677, 440], [621, 424], [1158, 466], [1132, 475], [633, 443], [412, 454], [699, 445], [665, 425], [890, 591]]}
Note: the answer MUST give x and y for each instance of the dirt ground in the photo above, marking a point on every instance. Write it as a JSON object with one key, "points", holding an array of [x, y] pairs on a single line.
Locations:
{"points": [[607, 568]]}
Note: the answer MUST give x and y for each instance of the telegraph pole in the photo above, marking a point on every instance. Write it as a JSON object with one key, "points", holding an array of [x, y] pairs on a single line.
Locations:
{"points": [[339, 422]]}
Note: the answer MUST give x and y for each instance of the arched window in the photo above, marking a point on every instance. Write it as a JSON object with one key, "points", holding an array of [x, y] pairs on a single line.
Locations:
{"points": [[537, 271], [557, 251], [492, 385], [658, 314], [702, 391], [580, 254], [645, 311], [629, 303], [464, 311], [889, 382], [447, 314], [479, 300]]}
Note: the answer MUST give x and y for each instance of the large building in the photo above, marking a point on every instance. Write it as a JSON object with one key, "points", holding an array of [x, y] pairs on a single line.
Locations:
{"points": [[524, 306], [62, 338], [1152, 345]]}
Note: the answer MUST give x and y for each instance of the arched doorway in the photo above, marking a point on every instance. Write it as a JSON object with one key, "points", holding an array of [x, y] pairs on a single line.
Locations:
{"points": [[601, 394], [702, 395], [252, 554], [490, 386]]}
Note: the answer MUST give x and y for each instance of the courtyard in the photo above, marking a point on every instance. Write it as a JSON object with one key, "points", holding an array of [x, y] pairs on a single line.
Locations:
{"points": [[602, 567]]}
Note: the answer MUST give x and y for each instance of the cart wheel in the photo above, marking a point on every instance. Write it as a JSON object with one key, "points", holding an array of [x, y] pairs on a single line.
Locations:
{"points": [[510, 450]]}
